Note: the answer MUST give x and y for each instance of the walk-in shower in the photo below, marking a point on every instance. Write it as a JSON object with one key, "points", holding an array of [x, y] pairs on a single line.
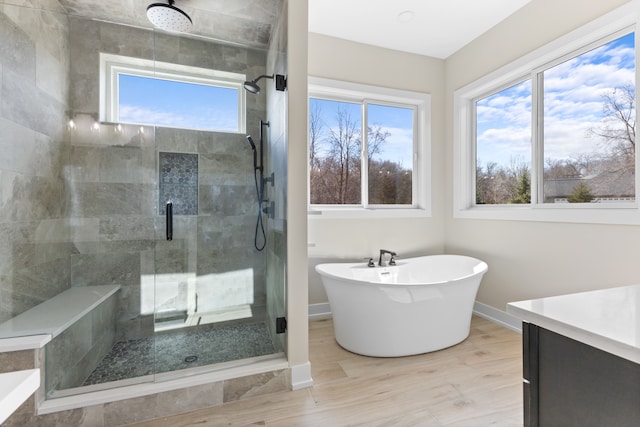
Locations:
{"points": [[130, 235]]}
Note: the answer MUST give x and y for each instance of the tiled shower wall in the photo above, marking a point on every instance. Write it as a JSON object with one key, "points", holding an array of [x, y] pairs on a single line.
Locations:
{"points": [[34, 71]]}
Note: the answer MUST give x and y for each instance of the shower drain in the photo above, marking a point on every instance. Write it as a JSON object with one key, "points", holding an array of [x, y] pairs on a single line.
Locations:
{"points": [[190, 359]]}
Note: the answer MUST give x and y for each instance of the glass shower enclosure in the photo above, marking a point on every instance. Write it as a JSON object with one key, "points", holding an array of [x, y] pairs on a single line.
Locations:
{"points": [[141, 227]]}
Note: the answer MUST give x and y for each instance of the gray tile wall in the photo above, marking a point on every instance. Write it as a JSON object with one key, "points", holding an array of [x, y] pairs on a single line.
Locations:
{"points": [[35, 248], [156, 405], [73, 355]]}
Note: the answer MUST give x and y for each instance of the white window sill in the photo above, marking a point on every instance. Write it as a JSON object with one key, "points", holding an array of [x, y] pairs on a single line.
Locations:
{"points": [[600, 214], [362, 213]]}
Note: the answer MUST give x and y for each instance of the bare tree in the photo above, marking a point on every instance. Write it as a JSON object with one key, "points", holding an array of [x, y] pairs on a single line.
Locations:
{"points": [[376, 136], [618, 130], [560, 168], [345, 144], [316, 126], [497, 184], [334, 156], [335, 159]]}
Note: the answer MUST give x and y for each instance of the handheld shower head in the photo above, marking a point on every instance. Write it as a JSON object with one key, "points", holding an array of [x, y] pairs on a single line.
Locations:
{"points": [[255, 153], [253, 145]]}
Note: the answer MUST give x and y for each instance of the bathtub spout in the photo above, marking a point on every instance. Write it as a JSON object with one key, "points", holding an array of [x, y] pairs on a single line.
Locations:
{"points": [[383, 262]]}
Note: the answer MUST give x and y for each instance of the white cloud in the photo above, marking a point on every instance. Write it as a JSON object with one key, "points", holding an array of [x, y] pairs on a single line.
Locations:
{"points": [[573, 105], [204, 119]]}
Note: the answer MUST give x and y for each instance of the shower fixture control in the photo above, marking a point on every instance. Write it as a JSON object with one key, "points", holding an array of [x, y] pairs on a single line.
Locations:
{"points": [[270, 209], [271, 179], [258, 175]]}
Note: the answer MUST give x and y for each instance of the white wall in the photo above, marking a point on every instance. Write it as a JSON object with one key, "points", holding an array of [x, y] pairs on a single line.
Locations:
{"points": [[530, 259], [355, 239], [297, 295]]}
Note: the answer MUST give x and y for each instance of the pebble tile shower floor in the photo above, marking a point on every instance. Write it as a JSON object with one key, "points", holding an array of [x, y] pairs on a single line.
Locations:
{"points": [[134, 358]]}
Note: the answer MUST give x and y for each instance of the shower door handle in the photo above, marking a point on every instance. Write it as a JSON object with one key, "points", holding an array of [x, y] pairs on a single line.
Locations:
{"points": [[169, 219]]}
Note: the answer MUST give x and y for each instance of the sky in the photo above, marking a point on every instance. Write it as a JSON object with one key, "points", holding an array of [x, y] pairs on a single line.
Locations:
{"points": [[150, 101], [397, 121], [573, 104]]}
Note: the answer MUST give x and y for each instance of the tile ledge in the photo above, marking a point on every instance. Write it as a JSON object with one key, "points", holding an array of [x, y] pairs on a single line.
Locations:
{"points": [[15, 388], [29, 342]]}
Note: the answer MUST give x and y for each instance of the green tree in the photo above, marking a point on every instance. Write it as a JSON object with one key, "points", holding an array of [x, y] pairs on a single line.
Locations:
{"points": [[580, 194], [523, 189]]}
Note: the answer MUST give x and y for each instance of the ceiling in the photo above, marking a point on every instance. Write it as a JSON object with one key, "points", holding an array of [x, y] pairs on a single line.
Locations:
{"points": [[246, 22], [436, 28]]}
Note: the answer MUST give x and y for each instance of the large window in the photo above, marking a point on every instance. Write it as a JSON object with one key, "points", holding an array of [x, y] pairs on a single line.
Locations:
{"points": [[148, 92], [554, 130], [367, 148]]}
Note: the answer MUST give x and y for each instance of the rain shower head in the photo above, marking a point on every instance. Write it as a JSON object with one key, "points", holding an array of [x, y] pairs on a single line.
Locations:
{"points": [[168, 17], [252, 86]]}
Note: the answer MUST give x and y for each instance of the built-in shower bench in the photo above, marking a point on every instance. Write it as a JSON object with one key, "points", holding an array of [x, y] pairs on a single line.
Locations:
{"points": [[36, 327], [55, 315]]}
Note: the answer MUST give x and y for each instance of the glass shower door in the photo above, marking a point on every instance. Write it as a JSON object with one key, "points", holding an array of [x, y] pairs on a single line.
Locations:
{"points": [[210, 292]]}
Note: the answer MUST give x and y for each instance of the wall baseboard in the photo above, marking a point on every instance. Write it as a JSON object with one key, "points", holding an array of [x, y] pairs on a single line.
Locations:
{"points": [[319, 311], [500, 317], [301, 376], [323, 311]]}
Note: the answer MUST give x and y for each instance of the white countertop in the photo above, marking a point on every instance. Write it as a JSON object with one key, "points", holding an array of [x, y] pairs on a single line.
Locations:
{"points": [[56, 314], [607, 319], [15, 389]]}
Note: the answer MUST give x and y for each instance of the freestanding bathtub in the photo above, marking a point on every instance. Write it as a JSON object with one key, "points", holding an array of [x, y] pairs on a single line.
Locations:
{"points": [[419, 305]]}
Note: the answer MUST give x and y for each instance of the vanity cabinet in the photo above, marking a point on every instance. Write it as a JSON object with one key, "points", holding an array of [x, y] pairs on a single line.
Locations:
{"points": [[568, 383], [581, 358]]}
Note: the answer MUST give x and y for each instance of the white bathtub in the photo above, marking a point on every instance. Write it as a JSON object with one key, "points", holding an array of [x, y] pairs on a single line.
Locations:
{"points": [[420, 305]]}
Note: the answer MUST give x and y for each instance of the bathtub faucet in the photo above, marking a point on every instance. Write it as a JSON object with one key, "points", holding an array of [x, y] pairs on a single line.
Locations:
{"points": [[382, 261]]}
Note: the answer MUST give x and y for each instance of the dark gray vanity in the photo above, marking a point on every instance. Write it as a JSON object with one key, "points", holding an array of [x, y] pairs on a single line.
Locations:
{"points": [[581, 358]]}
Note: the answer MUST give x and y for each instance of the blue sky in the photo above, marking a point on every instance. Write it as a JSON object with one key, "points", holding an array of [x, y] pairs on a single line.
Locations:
{"points": [[177, 104], [573, 104], [397, 121]]}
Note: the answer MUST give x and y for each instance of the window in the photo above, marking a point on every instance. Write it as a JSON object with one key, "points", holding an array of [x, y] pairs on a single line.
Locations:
{"points": [[503, 146], [368, 150], [552, 136], [148, 92]]}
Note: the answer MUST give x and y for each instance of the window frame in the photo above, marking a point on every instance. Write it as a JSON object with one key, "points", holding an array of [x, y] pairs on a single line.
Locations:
{"points": [[341, 91], [598, 32], [111, 66]]}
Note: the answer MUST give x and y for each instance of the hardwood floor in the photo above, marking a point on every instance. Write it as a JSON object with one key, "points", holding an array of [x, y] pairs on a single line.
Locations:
{"points": [[475, 383]]}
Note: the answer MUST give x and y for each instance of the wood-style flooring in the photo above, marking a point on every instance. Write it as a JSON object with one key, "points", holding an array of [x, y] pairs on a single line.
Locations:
{"points": [[476, 383]]}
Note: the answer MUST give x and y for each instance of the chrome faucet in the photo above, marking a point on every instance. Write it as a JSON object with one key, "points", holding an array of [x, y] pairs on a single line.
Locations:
{"points": [[382, 261]]}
